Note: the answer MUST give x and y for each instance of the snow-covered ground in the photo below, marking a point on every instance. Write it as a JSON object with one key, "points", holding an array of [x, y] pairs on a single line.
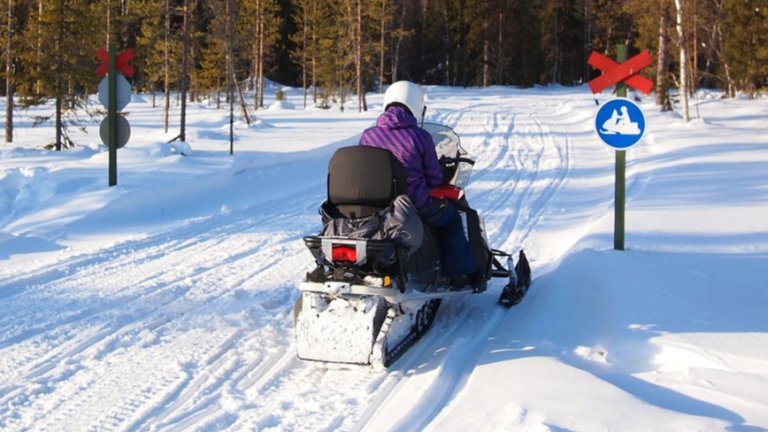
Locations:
{"points": [[165, 303]]}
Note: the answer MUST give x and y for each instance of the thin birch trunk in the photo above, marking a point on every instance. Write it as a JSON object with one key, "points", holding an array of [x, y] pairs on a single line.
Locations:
{"points": [[359, 57], [304, 53], [662, 61], [500, 49], [167, 66], [39, 47], [683, 62], [382, 45], [9, 86], [184, 72], [261, 58], [59, 80], [486, 63]]}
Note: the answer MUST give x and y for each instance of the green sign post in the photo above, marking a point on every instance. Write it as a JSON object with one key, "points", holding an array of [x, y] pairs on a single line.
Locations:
{"points": [[112, 115], [621, 168]]}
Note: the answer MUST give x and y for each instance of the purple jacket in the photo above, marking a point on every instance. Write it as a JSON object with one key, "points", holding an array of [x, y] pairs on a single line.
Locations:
{"points": [[397, 131]]}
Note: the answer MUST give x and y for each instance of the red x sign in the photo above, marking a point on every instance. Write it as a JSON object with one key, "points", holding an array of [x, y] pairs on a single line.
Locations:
{"points": [[121, 62], [614, 72]]}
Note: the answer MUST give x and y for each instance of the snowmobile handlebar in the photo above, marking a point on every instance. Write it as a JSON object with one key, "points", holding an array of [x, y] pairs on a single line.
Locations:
{"points": [[446, 160]]}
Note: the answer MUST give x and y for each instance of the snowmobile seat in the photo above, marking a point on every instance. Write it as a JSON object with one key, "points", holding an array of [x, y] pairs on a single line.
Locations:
{"points": [[363, 180]]}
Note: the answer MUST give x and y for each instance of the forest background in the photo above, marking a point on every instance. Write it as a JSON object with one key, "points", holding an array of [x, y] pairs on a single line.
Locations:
{"points": [[337, 50]]}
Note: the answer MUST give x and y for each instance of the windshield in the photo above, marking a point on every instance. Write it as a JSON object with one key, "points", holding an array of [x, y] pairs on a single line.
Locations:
{"points": [[448, 144]]}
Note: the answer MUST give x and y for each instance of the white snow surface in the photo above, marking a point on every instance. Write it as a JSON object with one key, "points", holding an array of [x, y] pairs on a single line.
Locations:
{"points": [[166, 302]]}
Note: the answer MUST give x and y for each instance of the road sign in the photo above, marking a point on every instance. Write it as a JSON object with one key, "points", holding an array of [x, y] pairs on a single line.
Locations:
{"points": [[123, 92], [614, 72], [620, 123], [121, 62], [123, 131]]}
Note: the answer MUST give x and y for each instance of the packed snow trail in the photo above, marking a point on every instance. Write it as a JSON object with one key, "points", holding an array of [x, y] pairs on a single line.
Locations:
{"points": [[190, 327], [170, 307]]}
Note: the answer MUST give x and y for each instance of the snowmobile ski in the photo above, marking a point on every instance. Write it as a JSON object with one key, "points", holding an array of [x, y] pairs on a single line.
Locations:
{"points": [[519, 282]]}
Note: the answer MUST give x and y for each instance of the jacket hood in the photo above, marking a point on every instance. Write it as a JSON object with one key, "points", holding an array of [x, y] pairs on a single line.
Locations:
{"points": [[396, 118]]}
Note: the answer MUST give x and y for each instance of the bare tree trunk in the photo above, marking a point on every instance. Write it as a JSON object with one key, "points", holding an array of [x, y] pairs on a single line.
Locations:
{"points": [[184, 72], [109, 20], [255, 71], [39, 47], [683, 62], [314, 52], [9, 90], [167, 65], [556, 66], [486, 64], [588, 6], [500, 49], [59, 78], [694, 81], [719, 43], [382, 46], [662, 61], [261, 58], [359, 56], [124, 13], [230, 73], [342, 92], [731, 86], [243, 104], [258, 57], [447, 40], [304, 53]]}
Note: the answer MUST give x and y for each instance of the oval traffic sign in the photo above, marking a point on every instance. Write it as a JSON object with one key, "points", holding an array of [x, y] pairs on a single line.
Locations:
{"points": [[620, 123], [123, 131]]}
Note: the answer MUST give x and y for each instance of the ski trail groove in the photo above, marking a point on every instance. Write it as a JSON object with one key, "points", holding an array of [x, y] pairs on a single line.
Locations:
{"points": [[218, 291], [516, 148]]}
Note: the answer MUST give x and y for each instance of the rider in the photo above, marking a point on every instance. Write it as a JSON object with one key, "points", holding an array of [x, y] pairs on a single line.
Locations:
{"points": [[398, 131]]}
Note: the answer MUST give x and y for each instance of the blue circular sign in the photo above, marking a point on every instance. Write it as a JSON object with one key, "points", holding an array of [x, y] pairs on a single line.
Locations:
{"points": [[620, 123]]}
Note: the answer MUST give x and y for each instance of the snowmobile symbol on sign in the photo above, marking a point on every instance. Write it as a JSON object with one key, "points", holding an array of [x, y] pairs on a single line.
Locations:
{"points": [[620, 123]]}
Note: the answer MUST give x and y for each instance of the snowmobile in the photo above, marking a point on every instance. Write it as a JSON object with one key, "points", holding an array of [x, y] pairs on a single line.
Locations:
{"points": [[367, 300]]}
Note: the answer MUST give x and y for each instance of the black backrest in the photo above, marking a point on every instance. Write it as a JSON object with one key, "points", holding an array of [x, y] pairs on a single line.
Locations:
{"points": [[363, 180]]}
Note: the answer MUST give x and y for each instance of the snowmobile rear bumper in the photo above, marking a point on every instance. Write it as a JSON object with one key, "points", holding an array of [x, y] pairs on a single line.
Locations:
{"points": [[334, 289]]}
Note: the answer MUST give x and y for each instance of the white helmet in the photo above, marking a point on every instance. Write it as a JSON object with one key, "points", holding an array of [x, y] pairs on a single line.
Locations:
{"points": [[408, 94]]}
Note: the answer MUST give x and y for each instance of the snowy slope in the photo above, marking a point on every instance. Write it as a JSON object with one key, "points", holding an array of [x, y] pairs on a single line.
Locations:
{"points": [[165, 303]]}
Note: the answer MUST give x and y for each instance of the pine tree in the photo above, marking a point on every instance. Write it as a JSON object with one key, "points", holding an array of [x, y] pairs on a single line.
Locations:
{"points": [[62, 29], [654, 26], [303, 53], [381, 14], [150, 48], [562, 42], [260, 24], [683, 59], [215, 63], [745, 39]]}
